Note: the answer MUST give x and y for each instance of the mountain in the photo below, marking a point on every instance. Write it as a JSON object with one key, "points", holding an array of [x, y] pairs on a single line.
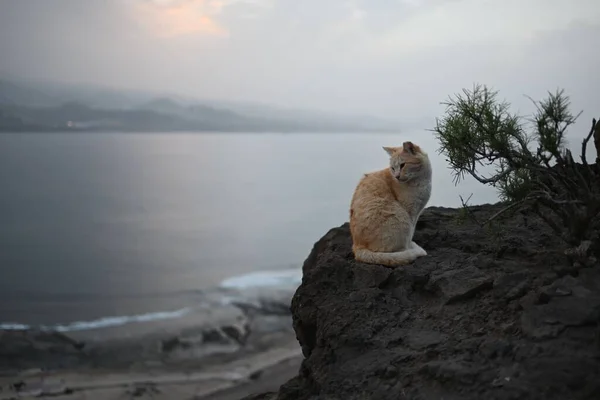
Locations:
{"points": [[321, 118], [164, 105], [11, 93], [85, 107]]}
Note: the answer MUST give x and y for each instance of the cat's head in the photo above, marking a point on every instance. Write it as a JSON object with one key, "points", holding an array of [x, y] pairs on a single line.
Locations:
{"points": [[409, 162]]}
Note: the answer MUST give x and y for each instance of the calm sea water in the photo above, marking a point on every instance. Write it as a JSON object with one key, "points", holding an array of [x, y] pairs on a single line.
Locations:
{"points": [[95, 225]]}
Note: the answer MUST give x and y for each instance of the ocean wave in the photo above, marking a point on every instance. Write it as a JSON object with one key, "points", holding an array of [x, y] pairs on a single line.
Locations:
{"points": [[104, 322], [276, 278], [257, 289]]}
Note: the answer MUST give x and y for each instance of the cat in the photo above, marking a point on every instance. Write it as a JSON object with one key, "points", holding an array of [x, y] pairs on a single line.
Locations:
{"points": [[386, 205]]}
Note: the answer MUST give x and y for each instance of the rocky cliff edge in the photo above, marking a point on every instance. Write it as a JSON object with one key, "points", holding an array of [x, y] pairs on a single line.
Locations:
{"points": [[490, 313]]}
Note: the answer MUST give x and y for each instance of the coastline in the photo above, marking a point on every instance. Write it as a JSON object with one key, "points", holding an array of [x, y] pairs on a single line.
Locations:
{"points": [[220, 376], [218, 349]]}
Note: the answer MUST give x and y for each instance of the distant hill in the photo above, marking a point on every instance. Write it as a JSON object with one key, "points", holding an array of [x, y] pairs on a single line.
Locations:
{"points": [[11, 93], [58, 107], [315, 116]]}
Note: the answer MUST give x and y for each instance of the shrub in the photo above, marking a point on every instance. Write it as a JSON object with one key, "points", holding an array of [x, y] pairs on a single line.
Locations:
{"points": [[533, 170]]}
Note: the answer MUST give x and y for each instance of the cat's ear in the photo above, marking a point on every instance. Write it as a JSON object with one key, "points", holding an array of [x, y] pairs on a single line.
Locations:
{"points": [[389, 150], [409, 147]]}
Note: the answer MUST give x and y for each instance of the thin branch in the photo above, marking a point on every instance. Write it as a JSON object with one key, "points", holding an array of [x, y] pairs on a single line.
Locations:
{"points": [[506, 209], [582, 181], [527, 199], [597, 143], [585, 142], [557, 229], [558, 177], [493, 179], [548, 197], [467, 208]]}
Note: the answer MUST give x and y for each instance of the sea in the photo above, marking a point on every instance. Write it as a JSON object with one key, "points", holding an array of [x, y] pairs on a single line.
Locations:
{"points": [[107, 229]]}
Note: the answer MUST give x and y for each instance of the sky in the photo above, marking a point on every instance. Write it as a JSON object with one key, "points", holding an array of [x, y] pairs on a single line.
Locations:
{"points": [[394, 58]]}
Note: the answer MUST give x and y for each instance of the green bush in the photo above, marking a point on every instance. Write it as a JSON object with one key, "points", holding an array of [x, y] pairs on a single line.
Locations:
{"points": [[530, 164]]}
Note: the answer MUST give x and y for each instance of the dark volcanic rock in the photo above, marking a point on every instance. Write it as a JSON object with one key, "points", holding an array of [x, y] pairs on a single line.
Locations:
{"points": [[262, 396], [483, 316], [512, 286], [26, 349], [461, 283]]}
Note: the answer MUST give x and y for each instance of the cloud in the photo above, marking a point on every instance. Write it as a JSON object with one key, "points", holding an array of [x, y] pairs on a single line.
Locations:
{"points": [[416, 26], [171, 18], [386, 57]]}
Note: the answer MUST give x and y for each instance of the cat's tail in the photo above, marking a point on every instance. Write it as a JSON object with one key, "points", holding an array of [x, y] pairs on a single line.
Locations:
{"points": [[388, 259]]}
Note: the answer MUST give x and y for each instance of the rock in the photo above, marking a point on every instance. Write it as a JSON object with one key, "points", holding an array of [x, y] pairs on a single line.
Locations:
{"points": [[460, 284], [366, 276], [420, 340], [215, 336], [226, 334], [567, 302], [530, 299], [40, 387], [148, 389], [168, 345], [255, 375], [31, 349], [390, 372], [456, 324], [566, 286], [548, 320], [512, 286], [262, 396], [238, 333], [451, 370], [492, 348]]}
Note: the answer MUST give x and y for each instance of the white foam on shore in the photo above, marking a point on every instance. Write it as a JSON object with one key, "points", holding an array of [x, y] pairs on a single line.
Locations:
{"points": [[14, 327], [253, 289], [101, 322], [278, 278]]}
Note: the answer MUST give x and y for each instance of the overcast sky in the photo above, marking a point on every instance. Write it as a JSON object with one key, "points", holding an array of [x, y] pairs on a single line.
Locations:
{"points": [[395, 58]]}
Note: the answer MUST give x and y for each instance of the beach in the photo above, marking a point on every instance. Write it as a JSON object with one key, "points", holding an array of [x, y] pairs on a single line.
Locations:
{"points": [[216, 379], [239, 341]]}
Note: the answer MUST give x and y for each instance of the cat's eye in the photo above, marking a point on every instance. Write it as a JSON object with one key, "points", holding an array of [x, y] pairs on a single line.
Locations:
{"points": [[402, 165]]}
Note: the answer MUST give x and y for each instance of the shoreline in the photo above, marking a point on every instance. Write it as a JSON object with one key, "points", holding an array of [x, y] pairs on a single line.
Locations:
{"points": [[218, 347], [157, 364], [228, 381], [250, 289]]}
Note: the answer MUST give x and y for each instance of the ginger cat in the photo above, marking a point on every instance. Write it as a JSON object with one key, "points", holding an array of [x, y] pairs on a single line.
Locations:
{"points": [[386, 206]]}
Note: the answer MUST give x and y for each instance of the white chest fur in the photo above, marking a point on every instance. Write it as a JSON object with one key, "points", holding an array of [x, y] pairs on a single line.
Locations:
{"points": [[419, 196]]}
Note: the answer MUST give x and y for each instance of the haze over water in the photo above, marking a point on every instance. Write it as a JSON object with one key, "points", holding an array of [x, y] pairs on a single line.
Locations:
{"points": [[96, 225]]}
